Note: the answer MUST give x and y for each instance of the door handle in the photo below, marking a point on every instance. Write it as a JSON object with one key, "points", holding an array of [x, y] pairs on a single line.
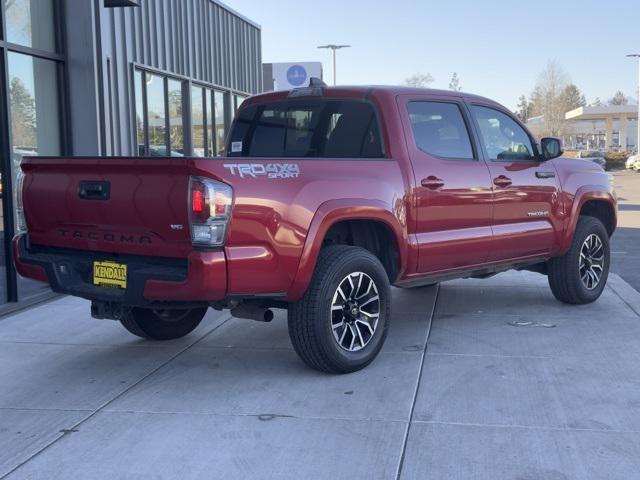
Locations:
{"points": [[502, 181], [432, 182], [545, 174]]}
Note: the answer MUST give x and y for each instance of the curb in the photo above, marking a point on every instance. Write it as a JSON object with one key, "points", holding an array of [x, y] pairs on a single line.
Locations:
{"points": [[626, 292]]}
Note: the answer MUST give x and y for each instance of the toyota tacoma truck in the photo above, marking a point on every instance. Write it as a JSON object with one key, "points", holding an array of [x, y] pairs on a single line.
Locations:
{"points": [[327, 196]]}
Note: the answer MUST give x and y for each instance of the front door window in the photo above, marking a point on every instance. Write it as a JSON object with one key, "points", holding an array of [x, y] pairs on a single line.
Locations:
{"points": [[503, 138]]}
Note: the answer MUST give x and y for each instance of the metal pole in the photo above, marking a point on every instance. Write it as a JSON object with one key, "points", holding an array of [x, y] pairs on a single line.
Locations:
{"points": [[334, 68], [637, 55], [638, 121], [333, 48]]}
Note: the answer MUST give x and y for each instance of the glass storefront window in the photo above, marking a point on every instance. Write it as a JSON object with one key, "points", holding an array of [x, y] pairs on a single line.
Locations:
{"points": [[210, 138], [35, 121], [156, 115], [139, 82], [35, 117], [219, 122], [163, 98], [176, 128], [160, 114], [237, 101], [197, 121], [30, 23]]}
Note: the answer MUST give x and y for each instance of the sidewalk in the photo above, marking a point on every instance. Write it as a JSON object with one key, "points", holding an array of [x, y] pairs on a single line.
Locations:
{"points": [[511, 385]]}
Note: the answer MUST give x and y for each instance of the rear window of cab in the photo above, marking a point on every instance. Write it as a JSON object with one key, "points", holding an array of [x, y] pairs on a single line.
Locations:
{"points": [[307, 128]]}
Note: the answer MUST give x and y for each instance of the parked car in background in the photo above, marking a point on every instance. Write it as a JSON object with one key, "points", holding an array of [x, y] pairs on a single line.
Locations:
{"points": [[633, 162], [594, 155]]}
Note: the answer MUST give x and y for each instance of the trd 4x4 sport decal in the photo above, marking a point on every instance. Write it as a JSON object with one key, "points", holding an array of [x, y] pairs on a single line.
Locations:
{"points": [[270, 170]]}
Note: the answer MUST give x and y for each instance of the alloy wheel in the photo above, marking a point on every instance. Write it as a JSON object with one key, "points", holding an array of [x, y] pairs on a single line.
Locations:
{"points": [[355, 311], [591, 261]]}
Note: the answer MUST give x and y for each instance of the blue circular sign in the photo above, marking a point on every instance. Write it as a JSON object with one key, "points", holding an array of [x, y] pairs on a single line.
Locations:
{"points": [[296, 75]]}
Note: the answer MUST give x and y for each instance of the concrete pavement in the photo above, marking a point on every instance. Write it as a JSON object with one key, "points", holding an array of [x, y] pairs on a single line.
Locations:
{"points": [[479, 379], [625, 244]]}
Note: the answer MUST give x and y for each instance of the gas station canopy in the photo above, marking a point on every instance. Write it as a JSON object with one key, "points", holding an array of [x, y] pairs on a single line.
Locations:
{"points": [[608, 113]]}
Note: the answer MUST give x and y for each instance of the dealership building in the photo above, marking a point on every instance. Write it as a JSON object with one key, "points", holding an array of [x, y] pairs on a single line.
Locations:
{"points": [[115, 77]]}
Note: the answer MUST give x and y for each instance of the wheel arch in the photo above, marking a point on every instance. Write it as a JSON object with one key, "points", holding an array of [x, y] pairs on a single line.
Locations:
{"points": [[593, 201], [335, 217]]}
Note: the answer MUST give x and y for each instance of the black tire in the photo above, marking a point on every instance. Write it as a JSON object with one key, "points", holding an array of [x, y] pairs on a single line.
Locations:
{"points": [[162, 324], [564, 272], [312, 319]]}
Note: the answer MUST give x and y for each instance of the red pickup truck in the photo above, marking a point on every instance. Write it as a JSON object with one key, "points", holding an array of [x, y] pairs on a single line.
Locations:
{"points": [[326, 198]]}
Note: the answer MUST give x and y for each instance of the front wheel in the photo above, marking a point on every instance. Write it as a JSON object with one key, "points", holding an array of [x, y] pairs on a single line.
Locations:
{"points": [[340, 324], [162, 324], [580, 275]]}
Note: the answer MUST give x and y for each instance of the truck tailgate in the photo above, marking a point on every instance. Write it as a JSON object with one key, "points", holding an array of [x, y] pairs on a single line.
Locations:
{"points": [[133, 206]]}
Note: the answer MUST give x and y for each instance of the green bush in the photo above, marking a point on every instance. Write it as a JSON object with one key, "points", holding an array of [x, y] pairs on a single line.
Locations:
{"points": [[616, 160]]}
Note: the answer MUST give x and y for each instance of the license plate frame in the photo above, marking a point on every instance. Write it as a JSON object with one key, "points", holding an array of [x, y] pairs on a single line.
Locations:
{"points": [[109, 274]]}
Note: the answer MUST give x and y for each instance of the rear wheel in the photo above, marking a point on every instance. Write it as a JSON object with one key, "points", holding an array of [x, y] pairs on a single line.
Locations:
{"points": [[162, 324], [340, 324], [579, 276]]}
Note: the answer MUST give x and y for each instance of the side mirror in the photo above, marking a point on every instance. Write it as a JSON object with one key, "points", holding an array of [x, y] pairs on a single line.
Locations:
{"points": [[551, 148]]}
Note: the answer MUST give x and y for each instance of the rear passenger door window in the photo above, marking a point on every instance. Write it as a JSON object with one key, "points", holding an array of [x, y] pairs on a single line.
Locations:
{"points": [[503, 138], [439, 129], [352, 131]]}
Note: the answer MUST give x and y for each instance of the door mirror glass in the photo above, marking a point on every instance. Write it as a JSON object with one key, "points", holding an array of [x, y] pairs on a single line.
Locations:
{"points": [[551, 148]]}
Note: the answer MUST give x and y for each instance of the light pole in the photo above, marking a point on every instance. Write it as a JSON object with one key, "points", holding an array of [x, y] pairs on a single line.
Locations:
{"points": [[334, 48], [637, 55]]}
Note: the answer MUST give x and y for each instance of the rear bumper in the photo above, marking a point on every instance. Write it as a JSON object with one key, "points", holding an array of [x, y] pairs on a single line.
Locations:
{"points": [[200, 278]]}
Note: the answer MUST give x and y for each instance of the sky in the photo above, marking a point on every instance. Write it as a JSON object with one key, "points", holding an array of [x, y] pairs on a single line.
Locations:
{"points": [[497, 47]]}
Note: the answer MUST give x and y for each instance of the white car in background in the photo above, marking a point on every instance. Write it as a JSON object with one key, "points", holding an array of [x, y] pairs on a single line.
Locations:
{"points": [[593, 155], [633, 162]]}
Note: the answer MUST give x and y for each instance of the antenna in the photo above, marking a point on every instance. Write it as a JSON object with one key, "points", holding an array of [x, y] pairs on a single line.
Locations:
{"points": [[316, 82]]}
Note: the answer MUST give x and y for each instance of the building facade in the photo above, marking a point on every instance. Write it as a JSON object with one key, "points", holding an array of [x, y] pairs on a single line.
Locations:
{"points": [[115, 77], [603, 127]]}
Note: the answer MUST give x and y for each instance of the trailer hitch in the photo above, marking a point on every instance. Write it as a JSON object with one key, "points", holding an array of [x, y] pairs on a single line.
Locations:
{"points": [[108, 310]]}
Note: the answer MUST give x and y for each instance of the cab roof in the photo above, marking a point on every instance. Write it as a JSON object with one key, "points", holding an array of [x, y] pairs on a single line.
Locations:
{"points": [[361, 91]]}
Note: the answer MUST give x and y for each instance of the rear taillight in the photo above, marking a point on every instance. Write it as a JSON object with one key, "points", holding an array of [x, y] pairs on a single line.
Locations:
{"points": [[209, 211]]}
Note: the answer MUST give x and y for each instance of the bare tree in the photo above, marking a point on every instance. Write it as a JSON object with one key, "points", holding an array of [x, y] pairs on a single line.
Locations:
{"points": [[454, 84], [547, 99], [18, 16], [23, 114], [419, 80]]}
